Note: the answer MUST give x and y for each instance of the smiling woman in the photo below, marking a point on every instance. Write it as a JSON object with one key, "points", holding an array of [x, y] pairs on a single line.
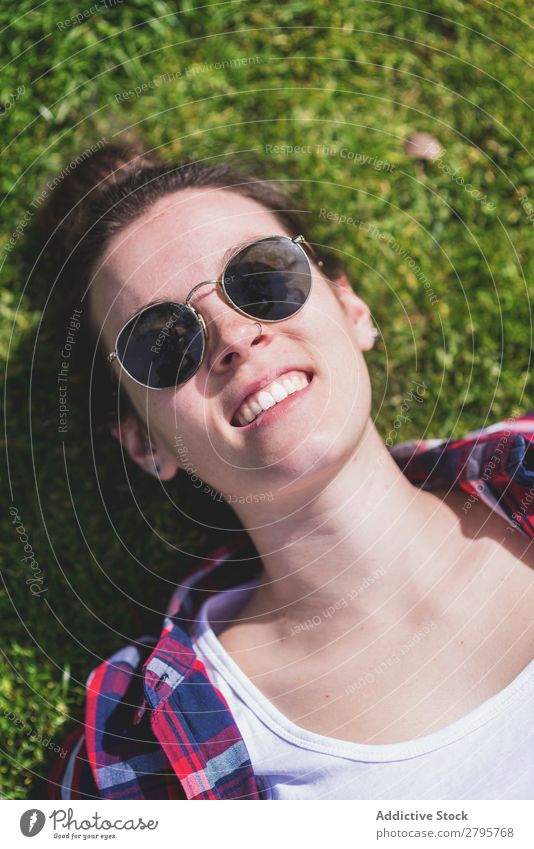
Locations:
{"points": [[222, 328]]}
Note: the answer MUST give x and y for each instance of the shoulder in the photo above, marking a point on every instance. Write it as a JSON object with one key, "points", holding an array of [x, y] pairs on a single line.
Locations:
{"points": [[491, 466], [497, 542]]}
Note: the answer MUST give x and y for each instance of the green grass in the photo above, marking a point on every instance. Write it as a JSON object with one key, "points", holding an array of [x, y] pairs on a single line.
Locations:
{"points": [[360, 77]]}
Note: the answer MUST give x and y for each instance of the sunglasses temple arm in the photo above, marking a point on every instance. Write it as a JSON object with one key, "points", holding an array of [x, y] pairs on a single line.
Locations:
{"points": [[300, 240]]}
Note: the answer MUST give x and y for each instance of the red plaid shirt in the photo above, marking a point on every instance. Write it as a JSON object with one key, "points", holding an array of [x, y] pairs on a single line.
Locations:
{"points": [[157, 728]]}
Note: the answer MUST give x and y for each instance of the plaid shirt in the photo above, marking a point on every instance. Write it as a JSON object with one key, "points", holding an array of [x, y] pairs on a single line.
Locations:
{"points": [[157, 728]]}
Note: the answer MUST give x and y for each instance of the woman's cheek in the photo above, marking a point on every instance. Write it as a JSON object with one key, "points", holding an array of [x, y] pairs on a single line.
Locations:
{"points": [[195, 442]]}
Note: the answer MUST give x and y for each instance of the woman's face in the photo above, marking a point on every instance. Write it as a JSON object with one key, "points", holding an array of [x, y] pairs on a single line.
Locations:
{"points": [[181, 241]]}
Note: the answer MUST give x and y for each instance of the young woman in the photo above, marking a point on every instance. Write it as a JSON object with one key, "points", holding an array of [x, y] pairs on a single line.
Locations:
{"points": [[370, 635]]}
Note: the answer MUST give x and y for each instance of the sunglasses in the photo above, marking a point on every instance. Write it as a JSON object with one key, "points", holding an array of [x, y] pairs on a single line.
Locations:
{"points": [[163, 345]]}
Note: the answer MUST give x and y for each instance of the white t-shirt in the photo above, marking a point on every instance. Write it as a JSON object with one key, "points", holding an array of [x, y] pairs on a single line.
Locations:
{"points": [[487, 754]]}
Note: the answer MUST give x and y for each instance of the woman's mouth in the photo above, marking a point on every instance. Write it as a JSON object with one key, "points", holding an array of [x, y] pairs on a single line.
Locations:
{"points": [[270, 401]]}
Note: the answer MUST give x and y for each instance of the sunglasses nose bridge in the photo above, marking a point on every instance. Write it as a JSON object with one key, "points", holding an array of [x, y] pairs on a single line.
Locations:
{"points": [[194, 289], [219, 288], [221, 291]]}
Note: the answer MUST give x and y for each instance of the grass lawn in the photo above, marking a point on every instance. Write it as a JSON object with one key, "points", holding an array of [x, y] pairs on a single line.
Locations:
{"points": [[322, 97]]}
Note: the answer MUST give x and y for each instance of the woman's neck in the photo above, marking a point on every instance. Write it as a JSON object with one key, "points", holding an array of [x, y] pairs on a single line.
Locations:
{"points": [[367, 536]]}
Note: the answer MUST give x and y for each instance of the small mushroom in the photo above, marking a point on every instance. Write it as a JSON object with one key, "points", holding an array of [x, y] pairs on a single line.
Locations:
{"points": [[423, 146]]}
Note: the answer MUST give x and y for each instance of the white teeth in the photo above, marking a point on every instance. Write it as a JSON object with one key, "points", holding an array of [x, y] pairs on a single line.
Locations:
{"points": [[289, 385], [247, 413], [255, 407], [266, 398], [278, 391]]}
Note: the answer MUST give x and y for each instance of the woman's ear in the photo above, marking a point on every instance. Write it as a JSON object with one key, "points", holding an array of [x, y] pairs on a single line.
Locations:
{"points": [[357, 311], [134, 440]]}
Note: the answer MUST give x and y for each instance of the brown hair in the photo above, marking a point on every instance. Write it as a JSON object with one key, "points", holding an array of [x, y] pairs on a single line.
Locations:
{"points": [[103, 193]]}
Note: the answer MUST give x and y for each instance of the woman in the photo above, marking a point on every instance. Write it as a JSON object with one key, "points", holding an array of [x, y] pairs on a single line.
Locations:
{"points": [[381, 644]]}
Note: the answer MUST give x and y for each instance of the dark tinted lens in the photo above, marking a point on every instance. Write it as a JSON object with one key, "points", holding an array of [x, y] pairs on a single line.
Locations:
{"points": [[162, 346], [269, 280]]}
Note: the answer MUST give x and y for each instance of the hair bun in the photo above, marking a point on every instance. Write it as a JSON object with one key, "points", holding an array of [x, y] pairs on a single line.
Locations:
{"points": [[79, 185]]}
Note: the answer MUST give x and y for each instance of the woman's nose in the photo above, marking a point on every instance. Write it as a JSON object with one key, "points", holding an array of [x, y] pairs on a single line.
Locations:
{"points": [[232, 340], [231, 335]]}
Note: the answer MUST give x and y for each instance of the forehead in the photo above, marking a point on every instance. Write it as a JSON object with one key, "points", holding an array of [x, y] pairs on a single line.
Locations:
{"points": [[182, 240]]}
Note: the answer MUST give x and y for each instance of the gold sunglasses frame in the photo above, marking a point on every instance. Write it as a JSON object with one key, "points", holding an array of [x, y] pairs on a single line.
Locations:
{"points": [[219, 283]]}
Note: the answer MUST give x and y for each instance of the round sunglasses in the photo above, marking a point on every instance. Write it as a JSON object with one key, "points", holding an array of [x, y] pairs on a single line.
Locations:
{"points": [[163, 344]]}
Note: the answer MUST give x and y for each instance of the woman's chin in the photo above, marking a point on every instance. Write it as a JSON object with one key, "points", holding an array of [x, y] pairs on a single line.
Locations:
{"points": [[302, 464]]}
